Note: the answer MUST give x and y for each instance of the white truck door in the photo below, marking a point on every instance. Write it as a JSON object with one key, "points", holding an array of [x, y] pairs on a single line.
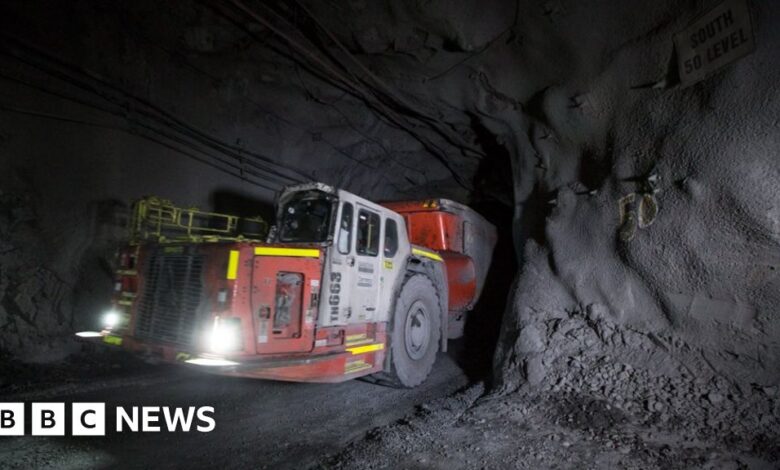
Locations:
{"points": [[395, 250], [339, 275], [366, 271]]}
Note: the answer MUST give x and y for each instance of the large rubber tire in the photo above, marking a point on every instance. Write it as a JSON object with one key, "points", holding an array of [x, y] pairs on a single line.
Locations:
{"points": [[416, 330]]}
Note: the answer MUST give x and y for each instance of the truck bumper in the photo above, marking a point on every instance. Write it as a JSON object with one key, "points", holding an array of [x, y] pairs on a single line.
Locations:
{"points": [[323, 367], [333, 367], [100, 337]]}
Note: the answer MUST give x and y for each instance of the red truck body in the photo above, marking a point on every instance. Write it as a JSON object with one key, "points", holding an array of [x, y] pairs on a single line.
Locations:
{"points": [[173, 294]]}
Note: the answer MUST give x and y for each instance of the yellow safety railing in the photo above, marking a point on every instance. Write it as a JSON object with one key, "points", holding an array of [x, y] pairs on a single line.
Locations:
{"points": [[160, 220]]}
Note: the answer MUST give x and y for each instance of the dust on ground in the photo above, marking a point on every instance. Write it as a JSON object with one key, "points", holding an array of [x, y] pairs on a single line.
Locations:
{"points": [[600, 413]]}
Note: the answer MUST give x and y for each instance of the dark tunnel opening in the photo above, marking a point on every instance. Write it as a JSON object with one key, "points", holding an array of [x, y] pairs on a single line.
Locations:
{"points": [[493, 198]]}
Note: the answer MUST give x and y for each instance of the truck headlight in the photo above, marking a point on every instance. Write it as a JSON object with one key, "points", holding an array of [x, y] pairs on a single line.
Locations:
{"points": [[111, 319], [225, 335]]}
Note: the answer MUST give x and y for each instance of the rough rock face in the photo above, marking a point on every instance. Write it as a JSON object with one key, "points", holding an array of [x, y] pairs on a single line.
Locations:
{"points": [[696, 292], [33, 297]]}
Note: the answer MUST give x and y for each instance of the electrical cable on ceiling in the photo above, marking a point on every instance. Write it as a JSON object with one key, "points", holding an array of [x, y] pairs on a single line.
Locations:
{"points": [[144, 136], [367, 94], [134, 131], [151, 111], [185, 61], [386, 89], [297, 63]]}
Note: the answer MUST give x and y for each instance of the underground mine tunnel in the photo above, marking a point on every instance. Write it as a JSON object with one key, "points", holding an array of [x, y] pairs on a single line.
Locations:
{"points": [[390, 234]]}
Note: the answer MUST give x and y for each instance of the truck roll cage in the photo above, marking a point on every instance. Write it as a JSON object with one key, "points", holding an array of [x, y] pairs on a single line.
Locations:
{"points": [[159, 220]]}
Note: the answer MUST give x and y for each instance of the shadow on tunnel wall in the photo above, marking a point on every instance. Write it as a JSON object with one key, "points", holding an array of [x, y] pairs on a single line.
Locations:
{"points": [[493, 198], [108, 228], [484, 322]]}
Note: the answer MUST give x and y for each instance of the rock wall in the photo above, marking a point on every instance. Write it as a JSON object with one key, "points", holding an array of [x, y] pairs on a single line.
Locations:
{"points": [[695, 292]]}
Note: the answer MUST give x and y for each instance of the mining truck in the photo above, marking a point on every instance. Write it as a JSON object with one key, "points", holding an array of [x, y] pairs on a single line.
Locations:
{"points": [[341, 287]]}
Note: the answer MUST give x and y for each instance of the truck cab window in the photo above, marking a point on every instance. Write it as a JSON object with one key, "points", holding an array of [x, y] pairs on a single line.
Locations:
{"points": [[391, 238], [345, 229], [305, 217], [368, 233]]}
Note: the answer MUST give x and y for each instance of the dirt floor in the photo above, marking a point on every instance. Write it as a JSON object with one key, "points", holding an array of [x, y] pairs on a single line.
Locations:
{"points": [[259, 424], [598, 412], [604, 415], [595, 407], [596, 404]]}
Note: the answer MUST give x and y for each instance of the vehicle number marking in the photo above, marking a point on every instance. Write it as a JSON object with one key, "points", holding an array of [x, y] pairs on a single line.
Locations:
{"points": [[334, 298]]}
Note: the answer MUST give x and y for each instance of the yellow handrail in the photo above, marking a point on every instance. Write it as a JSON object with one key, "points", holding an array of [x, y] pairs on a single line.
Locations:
{"points": [[160, 220]]}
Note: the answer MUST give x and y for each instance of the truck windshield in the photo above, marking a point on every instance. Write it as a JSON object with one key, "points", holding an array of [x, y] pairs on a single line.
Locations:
{"points": [[305, 217]]}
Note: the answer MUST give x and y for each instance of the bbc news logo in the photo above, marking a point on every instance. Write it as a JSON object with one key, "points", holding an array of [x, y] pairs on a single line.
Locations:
{"points": [[89, 419]]}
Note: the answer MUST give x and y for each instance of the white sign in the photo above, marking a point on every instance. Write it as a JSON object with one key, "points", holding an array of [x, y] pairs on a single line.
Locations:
{"points": [[714, 40]]}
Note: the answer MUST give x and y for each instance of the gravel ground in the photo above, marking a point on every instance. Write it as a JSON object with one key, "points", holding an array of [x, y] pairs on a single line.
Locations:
{"points": [[604, 398], [593, 412], [599, 414]]}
